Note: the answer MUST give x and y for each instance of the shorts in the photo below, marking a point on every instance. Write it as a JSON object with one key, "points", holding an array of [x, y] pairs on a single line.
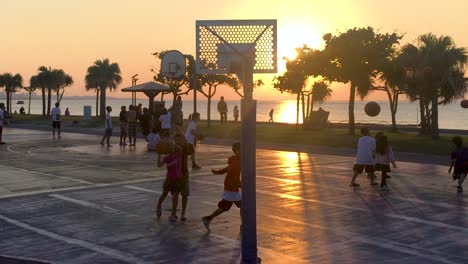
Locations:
{"points": [[132, 127], [56, 124], [382, 167], [123, 128], [185, 186], [108, 132], [226, 205], [359, 168], [190, 148], [172, 185]]}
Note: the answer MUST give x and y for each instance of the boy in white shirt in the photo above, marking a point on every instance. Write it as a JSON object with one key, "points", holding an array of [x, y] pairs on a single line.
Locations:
{"points": [[365, 157], [108, 131], [56, 120], [190, 135]]}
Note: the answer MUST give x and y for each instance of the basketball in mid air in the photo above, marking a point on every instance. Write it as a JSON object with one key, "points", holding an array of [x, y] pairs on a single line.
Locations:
{"points": [[372, 109]]}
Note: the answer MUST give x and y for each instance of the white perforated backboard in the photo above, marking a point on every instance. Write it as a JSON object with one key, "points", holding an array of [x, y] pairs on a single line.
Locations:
{"points": [[224, 43]]}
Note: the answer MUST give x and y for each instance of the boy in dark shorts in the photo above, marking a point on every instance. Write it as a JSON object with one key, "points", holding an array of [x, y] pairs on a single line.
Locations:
{"points": [[181, 142], [459, 165], [232, 185], [173, 182], [364, 158]]}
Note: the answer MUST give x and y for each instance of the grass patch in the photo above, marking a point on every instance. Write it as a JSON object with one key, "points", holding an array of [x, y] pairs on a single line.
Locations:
{"points": [[281, 133]]}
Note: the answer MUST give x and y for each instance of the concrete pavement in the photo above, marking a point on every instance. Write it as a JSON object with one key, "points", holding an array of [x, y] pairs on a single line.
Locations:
{"points": [[74, 201]]}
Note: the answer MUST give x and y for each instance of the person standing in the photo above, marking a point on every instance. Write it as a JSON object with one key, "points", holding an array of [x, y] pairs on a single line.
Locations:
{"points": [[383, 158], [108, 131], [222, 109], [236, 113], [365, 157], [2, 120], [132, 125], [56, 120], [190, 135], [165, 120], [123, 125], [145, 122]]}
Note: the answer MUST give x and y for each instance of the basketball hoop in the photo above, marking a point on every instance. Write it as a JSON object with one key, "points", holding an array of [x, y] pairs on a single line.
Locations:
{"points": [[173, 64]]}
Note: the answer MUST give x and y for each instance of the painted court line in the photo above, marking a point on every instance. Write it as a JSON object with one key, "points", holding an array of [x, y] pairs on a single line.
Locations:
{"points": [[76, 242], [47, 174], [103, 208], [413, 200], [298, 198], [403, 248]]}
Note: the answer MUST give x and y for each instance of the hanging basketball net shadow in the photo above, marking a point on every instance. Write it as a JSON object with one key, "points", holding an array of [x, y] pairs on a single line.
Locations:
{"points": [[223, 46]]}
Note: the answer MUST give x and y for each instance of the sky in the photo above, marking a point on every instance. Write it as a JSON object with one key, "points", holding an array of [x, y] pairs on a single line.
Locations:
{"points": [[72, 34]]}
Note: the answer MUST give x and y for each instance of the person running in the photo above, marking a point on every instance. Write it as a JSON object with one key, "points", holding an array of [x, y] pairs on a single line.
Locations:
{"points": [[56, 120], [173, 180], [132, 125], [364, 157], [383, 158], [108, 131], [222, 109], [271, 116], [180, 140], [123, 125], [2, 120], [190, 135], [236, 113], [232, 185], [459, 162]]}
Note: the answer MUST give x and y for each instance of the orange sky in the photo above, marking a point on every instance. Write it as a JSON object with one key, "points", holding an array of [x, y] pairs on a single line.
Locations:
{"points": [[71, 35]]}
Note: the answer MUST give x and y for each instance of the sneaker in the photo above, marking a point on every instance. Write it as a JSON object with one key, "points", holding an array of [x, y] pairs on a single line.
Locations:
{"points": [[196, 167], [354, 184], [459, 189], [206, 222]]}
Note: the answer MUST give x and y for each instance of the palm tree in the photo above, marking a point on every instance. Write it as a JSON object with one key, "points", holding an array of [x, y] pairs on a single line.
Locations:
{"points": [[435, 70], [45, 81], [104, 75], [61, 80], [11, 83], [33, 85], [292, 82], [321, 91]]}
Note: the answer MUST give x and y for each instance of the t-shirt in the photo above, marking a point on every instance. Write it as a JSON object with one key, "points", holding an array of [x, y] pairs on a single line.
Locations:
{"points": [[153, 140], [457, 155], [123, 116], [365, 151], [385, 158], [188, 135], [165, 121], [222, 107], [174, 165], [2, 113], [131, 116], [55, 114], [232, 182], [108, 121]]}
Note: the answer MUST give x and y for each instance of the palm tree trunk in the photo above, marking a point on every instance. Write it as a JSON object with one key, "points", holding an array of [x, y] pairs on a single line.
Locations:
{"points": [[303, 107], [435, 117], [102, 108], [422, 112], [308, 106], [29, 103], [297, 111], [208, 112], [58, 95], [49, 100], [7, 101], [352, 94], [97, 102], [391, 101], [43, 102]]}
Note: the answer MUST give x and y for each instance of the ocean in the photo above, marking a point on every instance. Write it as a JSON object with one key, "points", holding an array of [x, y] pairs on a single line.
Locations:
{"points": [[451, 116]]}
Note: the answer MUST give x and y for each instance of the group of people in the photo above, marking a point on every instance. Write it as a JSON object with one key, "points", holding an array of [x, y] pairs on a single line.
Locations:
{"points": [[223, 110]]}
